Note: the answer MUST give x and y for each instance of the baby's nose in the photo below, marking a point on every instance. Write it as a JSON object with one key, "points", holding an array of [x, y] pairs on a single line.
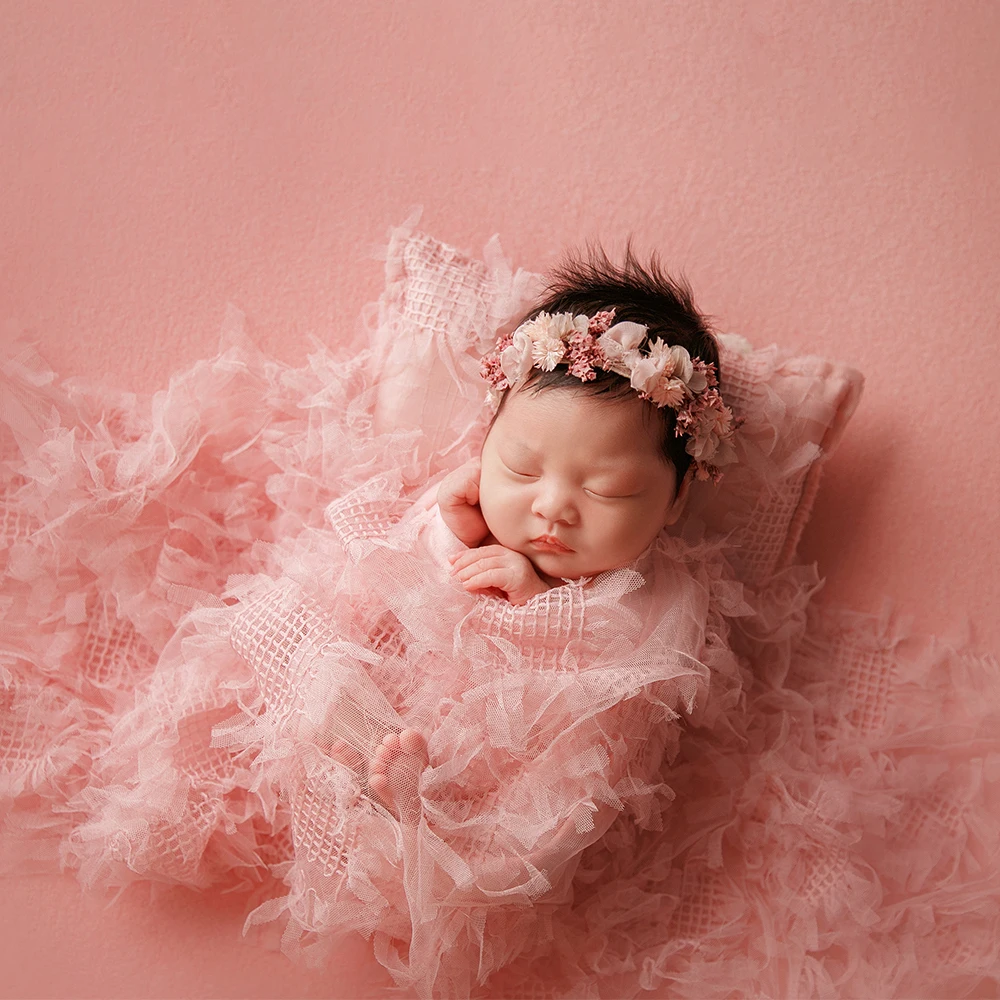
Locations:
{"points": [[554, 505]]}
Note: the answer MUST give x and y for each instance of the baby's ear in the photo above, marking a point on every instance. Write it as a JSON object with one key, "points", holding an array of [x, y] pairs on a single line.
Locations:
{"points": [[675, 510]]}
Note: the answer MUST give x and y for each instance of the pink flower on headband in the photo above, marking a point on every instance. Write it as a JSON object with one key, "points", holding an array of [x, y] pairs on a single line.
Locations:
{"points": [[709, 425], [666, 375], [584, 355], [668, 392]]}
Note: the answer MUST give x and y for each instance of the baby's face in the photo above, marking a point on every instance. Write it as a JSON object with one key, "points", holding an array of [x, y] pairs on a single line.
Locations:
{"points": [[578, 484]]}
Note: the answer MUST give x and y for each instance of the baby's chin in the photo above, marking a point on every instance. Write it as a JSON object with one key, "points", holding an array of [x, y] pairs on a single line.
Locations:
{"points": [[557, 566]]}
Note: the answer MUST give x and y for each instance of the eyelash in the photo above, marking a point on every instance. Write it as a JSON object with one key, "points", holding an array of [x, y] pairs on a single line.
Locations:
{"points": [[598, 496]]}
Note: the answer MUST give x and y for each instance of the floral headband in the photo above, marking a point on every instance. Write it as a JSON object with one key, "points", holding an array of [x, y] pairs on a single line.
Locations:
{"points": [[666, 376]]}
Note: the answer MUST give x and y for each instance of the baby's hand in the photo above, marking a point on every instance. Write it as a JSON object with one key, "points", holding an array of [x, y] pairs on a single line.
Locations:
{"points": [[500, 568], [458, 501]]}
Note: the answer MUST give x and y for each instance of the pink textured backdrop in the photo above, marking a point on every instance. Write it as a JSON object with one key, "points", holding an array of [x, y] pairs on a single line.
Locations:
{"points": [[824, 173]]}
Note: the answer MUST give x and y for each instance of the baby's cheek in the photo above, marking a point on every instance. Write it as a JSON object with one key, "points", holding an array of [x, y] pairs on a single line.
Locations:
{"points": [[496, 512], [637, 535], [486, 503]]}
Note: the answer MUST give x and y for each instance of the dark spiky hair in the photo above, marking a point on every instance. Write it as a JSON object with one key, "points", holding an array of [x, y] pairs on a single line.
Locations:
{"points": [[590, 282]]}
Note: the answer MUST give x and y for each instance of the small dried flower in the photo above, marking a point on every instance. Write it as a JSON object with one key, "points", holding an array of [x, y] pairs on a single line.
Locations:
{"points": [[536, 329], [601, 322], [707, 370], [546, 354], [668, 392]]}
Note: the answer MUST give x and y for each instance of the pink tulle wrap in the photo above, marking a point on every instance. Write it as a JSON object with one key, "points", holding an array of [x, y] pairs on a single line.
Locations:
{"points": [[669, 777]]}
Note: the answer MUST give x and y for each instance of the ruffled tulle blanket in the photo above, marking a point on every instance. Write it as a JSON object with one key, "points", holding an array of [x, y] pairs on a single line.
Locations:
{"points": [[218, 601]]}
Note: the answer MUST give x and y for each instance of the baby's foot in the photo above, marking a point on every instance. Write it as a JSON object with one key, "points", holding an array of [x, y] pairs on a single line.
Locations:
{"points": [[395, 770]]}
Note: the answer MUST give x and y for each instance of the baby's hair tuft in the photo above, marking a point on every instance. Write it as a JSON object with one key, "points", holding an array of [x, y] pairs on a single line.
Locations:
{"points": [[641, 292]]}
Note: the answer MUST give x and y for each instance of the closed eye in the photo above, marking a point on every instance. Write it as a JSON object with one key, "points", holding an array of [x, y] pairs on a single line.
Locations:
{"points": [[610, 496], [519, 474]]}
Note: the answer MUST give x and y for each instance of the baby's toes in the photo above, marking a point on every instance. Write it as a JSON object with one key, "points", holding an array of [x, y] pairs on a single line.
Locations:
{"points": [[386, 753], [412, 742], [379, 784], [378, 777]]}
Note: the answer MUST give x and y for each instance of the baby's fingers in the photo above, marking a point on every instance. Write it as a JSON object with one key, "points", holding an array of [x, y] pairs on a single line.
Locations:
{"points": [[480, 565], [470, 557], [491, 578]]}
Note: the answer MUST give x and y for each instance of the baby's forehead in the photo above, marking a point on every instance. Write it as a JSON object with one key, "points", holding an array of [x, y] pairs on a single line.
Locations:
{"points": [[609, 430]]}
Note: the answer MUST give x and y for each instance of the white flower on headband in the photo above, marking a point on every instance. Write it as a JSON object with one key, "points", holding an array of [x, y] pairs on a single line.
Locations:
{"points": [[666, 375], [620, 345], [546, 354], [515, 359], [558, 326]]}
